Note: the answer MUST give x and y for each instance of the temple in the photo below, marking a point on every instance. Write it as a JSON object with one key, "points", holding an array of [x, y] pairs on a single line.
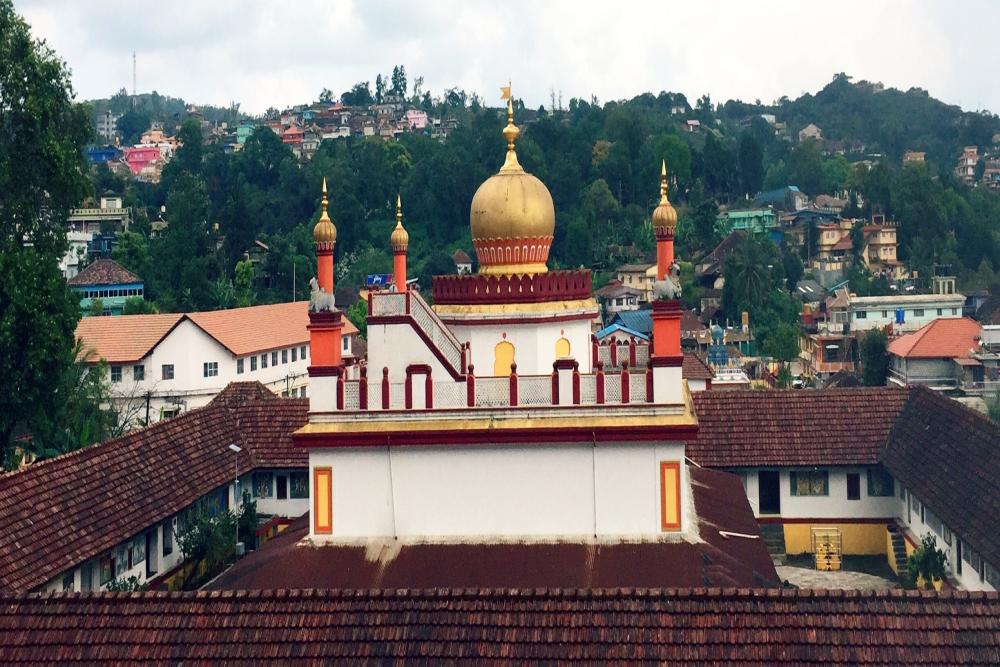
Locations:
{"points": [[493, 415]]}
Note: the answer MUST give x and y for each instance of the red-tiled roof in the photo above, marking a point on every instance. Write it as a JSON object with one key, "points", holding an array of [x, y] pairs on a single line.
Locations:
{"points": [[949, 457], [57, 513], [104, 272], [944, 338], [668, 626], [240, 330], [794, 427], [695, 368], [719, 561], [124, 338]]}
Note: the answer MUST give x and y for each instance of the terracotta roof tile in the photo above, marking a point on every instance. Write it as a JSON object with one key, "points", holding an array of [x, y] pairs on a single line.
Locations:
{"points": [[104, 272], [944, 338], [674, 626], [794, 427], [126, 337], [57, 513], [695, 368]]}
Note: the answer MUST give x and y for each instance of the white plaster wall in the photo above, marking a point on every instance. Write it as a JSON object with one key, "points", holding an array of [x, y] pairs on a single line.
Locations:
{"points": [[498, 490], [832, 506], [396, 346], [874, 318], [534, 344]]}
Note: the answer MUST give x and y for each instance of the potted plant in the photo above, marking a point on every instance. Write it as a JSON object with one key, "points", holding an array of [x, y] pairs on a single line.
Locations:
{"points": [[925, 565]]}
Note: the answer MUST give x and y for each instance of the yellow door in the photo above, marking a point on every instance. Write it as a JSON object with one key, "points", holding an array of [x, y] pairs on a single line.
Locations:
{"points": [[503, 357]]}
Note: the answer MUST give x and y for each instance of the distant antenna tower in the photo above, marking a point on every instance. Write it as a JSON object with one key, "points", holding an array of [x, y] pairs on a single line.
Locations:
{"points": [[133, 79]]}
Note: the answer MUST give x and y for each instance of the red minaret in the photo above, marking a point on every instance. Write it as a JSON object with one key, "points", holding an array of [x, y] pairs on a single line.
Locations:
{"points": [[667, 359], [325, 321], [399, 240]]}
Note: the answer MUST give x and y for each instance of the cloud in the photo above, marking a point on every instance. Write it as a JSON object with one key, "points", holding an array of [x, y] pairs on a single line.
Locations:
{"points": [[277, 54]]}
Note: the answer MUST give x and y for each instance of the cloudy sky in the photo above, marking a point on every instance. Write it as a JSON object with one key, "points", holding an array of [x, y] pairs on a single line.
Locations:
{"points": [[263, 54]]}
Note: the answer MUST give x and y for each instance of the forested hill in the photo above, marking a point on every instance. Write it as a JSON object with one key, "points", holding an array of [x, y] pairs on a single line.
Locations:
{"points": [[601, 164], [890, 121]]}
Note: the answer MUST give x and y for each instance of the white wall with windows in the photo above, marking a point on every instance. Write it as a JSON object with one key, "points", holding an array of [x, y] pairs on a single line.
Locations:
{"points": [[188, 368], [964, 564], [835, 492]]}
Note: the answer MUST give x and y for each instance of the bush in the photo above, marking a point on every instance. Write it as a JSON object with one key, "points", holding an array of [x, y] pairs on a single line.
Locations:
{"points": [[926, 562], [127, 585]]}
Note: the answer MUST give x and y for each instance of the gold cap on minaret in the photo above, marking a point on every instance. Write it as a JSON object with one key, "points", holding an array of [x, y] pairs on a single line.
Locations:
{"points": [[324, 231], [664, 215], [399, 238], [510, 133]]}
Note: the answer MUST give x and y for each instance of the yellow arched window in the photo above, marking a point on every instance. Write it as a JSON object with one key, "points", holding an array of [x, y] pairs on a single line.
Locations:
{"points": [[562, 349], [503, 357]]}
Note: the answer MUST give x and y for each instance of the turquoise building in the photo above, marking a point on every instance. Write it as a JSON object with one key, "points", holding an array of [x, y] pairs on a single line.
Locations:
{"points": [[752, 221], [108, 281]]}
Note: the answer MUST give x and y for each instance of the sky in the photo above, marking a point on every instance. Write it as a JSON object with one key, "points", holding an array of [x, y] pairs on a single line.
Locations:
{"points": [[263, 54]]}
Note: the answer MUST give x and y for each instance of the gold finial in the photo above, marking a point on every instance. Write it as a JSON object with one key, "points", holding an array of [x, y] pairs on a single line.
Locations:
{"points": [[399, 238], [324, 232], [663, 181], [664, 215], [510, 133]]}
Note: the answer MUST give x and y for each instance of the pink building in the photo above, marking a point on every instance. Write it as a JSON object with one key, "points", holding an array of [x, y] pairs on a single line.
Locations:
{"points": [[416, 119], [139, 157]]}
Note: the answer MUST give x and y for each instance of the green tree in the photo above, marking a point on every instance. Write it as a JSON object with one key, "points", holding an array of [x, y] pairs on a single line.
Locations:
{"points": [[751, 160], [357, 313], [183, 267], [783, 342], [703, 213], [243, 284], [875, 358], [399, 80], [42, 175], [601, 212], [805, 167], [136, 305], [96, 308]]}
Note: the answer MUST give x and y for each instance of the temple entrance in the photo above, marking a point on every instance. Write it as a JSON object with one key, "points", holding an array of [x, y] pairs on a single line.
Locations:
{"points": [[503, 357]]}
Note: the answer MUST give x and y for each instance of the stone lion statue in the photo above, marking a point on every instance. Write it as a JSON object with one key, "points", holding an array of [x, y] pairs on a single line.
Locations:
{"points": [[669, 288], [320, 301]]}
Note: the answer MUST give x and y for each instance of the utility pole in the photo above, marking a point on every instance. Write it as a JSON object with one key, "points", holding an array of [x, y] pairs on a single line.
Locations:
{"points": [[133, 80]]}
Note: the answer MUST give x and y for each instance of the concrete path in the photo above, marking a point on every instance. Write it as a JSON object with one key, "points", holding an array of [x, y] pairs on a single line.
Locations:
{"points": [[843, 580]]}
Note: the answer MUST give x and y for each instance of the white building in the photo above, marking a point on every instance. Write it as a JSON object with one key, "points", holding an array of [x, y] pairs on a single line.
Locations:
{"points": [[901, 312], [162, 365]]}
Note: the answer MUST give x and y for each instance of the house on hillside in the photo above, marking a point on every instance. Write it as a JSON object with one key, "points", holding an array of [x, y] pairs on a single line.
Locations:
{"points": [[945, 355], [107, 281], [639, 277], [810, 131], [615, 297]]}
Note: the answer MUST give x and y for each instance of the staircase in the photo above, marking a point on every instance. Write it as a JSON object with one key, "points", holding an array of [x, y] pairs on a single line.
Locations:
{"points": [[898, 558], [773, 535]]}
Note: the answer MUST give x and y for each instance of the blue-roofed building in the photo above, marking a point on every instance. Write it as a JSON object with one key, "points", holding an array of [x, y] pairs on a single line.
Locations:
{"points": [[103, 154], [618, 331], [639, 321]]}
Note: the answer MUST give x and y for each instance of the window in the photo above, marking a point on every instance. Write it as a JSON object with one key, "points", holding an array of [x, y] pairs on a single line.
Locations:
{"points": [[302, 392], [121, 559], [262, 485], [253, 363], [168, 537], [918, 312], [294, 355], [107, 567], [239, 366], [880, 483], [302, 353], [116, 373], [933, 522], [281, 487], [67, 582], [853, 486], [343, 343], [862, 315], [263, 360], [954, 311], [323, 501], [137, 550], [210, 369], [299, 482], [885, 314], [167, 371], [946, 535], [810, 483], [670, 495], [139, 373], [274, 358], [940, 312], [284, 356]]}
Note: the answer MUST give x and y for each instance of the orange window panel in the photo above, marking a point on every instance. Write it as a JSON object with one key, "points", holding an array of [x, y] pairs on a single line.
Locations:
{"points": [[670, 495], [322, 501]]}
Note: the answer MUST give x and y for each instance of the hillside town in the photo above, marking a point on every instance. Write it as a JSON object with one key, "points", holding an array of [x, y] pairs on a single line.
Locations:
{"points": [[402, 377]]}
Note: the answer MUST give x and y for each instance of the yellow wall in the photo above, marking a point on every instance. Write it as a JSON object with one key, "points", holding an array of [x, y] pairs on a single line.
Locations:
{"points": [[859, 539]]}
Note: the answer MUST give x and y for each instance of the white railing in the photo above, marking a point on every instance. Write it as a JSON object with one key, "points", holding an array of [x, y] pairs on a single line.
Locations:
{"points": [[397, 396], [637, 387], [534, 390], [389, 303], [613, 388], [351, 393], [450, 394], [588, 389], [374, 394], [435, 329], [492, 391]]}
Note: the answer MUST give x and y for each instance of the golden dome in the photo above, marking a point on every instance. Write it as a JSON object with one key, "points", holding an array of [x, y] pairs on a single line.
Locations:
{"points": [[512, 216], [664, 215], [399, 238], [324, 232]]}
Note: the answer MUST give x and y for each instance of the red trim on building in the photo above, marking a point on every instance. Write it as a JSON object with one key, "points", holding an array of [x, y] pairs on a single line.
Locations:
{"points": [[576, 383], [385, 388], [626, 385], [530, 288], [325, 371], [473, 322], [470, 387], [675, 361], [599, 381], [513, 384], [824, 520], [555, 385], [363, 389]]}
